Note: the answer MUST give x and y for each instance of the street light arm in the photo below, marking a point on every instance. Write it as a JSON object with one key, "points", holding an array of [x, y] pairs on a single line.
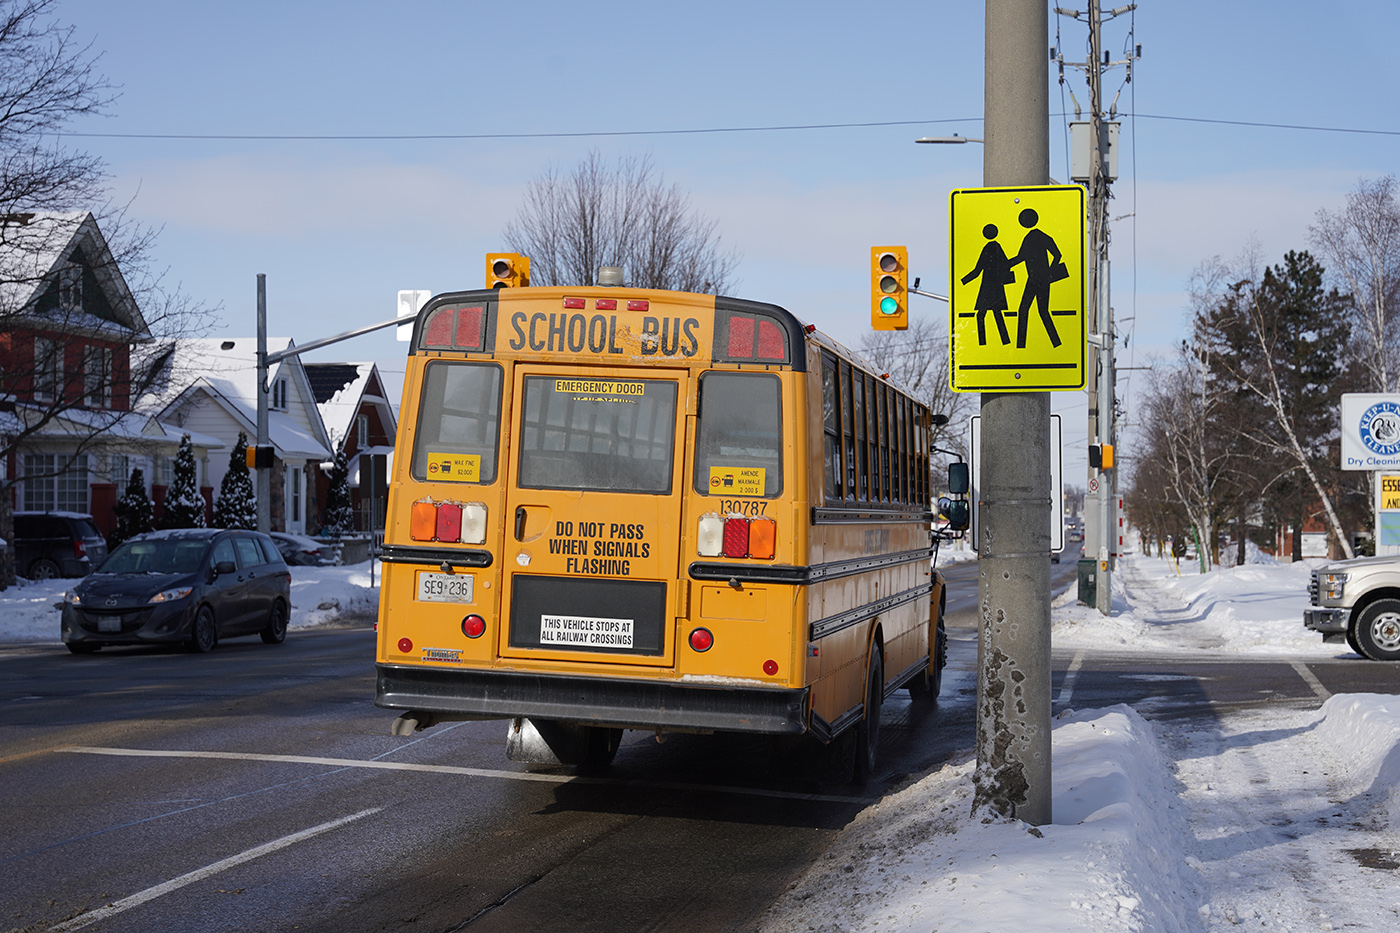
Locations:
{"points": [[327, 341]]}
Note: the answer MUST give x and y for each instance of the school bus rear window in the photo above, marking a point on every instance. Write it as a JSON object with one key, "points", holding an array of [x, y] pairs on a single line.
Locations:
{"points": [[603, 434], [739, 440], [459, 423]]}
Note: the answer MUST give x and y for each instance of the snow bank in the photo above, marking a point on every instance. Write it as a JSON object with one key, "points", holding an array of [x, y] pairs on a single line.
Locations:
{"points": [[1364, 728], [1254, 609], [320, 596], [921, 860]]}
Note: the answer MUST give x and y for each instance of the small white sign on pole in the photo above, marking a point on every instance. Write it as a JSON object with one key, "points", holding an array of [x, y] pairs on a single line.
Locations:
{"points": [[1057, 489], [410, 303]]}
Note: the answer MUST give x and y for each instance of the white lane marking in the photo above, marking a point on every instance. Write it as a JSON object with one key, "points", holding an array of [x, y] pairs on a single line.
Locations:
{"points": [[199, 874], [455, 769], [1071, 675], [1322, 692]]}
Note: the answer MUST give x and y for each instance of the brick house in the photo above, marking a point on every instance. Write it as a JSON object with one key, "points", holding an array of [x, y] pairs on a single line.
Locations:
{"points": [[71, 332], [359, 407]]}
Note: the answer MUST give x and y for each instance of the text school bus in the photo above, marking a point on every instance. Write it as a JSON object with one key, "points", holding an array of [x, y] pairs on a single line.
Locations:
{"points": [[617, 508]]}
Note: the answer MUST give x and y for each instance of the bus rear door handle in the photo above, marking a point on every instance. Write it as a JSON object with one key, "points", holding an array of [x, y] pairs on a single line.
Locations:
{"points": [[520, 523]]}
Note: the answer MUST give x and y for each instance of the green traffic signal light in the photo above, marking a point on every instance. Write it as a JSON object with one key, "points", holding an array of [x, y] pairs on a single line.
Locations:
{"points": [[889, 305]]}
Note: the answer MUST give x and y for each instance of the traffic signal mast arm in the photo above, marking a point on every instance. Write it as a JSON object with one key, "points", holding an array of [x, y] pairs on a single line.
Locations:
{"points": [[915, 291]]}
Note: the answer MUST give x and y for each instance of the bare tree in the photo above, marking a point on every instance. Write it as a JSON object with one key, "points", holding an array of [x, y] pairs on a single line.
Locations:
{"points": [[623, 215], [917, 359], [77, 283], [1361, 245]]}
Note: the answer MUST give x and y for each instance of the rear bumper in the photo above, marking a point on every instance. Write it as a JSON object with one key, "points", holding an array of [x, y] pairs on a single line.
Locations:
{"points": [[1326, 621], [635, 704]]}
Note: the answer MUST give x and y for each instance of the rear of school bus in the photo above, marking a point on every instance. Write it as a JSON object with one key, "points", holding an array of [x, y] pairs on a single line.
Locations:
{"points": [[599, 519]]}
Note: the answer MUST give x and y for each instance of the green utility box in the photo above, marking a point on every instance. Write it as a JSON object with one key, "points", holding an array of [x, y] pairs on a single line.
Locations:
{"points": [[1088, 582]]}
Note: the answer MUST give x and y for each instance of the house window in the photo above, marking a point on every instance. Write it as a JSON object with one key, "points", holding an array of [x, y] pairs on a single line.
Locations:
{"points": [[59, 483], [70, 287], [97, 376], [118, 470], [362, 430], [279, 395], [165, 471], [296, 494], [48, 369]]}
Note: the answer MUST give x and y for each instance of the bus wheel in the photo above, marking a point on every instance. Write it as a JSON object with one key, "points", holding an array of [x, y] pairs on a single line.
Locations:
{"points": [[547, 742], [924, 689], [868, 729]]}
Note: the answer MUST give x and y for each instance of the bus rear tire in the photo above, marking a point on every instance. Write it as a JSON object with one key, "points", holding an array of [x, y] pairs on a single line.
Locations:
{"points": [[868, 729], [548, 742], [924, 688]]}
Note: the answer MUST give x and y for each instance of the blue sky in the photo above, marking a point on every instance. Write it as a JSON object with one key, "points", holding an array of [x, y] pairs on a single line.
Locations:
{"points": [[339, 226]]}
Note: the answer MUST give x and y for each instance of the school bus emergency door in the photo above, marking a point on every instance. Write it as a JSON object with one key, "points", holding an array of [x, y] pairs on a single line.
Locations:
{"points": [[592, 508]]}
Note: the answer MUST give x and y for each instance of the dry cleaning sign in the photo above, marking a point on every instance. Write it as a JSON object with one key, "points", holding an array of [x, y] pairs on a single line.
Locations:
{"points": [[1370, 431]]}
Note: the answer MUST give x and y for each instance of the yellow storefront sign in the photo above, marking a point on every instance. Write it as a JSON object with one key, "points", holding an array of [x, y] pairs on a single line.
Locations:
{"points": [[1017, 307], [736, 481], [454, 468], [1390, 491]]}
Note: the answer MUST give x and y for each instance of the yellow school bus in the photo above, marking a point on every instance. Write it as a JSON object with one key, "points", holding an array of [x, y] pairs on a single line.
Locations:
{"points": [[616, 508]]}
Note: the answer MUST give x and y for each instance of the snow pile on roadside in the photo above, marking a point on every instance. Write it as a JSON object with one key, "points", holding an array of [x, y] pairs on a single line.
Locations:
{"points": [[1114, 858], [320, 596], [1365, 730], [1253, 609], [327, 595]]}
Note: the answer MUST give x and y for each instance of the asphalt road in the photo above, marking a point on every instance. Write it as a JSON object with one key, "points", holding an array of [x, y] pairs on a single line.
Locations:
{"points": [[257, 788]]}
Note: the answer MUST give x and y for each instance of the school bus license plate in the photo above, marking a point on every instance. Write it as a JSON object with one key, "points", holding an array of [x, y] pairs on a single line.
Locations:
{"points": [[445, 587]]}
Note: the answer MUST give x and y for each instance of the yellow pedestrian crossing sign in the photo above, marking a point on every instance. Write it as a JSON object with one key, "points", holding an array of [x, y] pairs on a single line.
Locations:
{"points": [[1016, 310]]}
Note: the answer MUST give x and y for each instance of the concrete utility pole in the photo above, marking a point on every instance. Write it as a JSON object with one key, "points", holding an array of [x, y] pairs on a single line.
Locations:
{"points": [[1013, 648]]}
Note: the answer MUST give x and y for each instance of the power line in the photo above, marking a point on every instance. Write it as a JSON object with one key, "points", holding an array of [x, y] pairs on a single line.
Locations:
{"points": [[452, 136], [695, 131]]}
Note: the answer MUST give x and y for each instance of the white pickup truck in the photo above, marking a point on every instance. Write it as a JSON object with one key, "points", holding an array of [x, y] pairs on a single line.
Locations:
{"points": [[1358, 600]]}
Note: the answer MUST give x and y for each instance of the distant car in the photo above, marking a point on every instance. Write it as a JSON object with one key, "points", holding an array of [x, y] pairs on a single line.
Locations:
{"points": [[57, 544], [1076, 536], [301, 551], [191, 585]]}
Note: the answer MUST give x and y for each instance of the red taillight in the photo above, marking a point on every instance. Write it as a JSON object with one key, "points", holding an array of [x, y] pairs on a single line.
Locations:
{"points": [[405, 646], [606, 304], [638, 305], [736, 537], [701, 639], [770, 667], [79, 549], [473, 626], [449, 522], [575, 303]]}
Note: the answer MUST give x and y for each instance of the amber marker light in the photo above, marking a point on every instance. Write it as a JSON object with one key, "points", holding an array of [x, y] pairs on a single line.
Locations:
{"points": [[763, 538]]}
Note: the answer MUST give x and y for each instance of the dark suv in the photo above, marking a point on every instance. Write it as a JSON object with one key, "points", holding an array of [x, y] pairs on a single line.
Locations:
{"points": [[57, 544]]}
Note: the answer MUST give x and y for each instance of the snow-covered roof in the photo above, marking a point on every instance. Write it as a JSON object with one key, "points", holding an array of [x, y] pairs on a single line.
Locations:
{"points": [[226, 370], [32, 250], [341, 405], [106, 426]]}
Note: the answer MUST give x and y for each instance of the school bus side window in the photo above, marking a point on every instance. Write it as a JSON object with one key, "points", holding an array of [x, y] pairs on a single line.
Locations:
{"points": [[459, 413], [739, 432]]}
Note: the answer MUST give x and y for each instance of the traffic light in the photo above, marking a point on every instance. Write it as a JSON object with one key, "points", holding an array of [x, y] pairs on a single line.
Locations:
{"points": [[507, 270], [1101, 457], [889, 287]]}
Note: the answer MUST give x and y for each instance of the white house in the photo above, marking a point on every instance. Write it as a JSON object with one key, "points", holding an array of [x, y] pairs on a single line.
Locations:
{"points": [[220, 400]]}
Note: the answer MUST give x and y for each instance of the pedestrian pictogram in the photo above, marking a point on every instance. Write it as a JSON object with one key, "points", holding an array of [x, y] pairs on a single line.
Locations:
{"points": [[1018, 259]]}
